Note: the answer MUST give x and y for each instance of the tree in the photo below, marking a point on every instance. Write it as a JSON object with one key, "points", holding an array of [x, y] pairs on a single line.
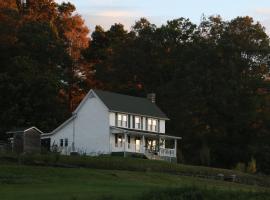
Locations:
{"points": [[34, 61]]}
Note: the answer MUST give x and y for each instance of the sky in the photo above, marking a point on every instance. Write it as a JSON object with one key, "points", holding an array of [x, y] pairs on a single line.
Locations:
{"points": [[108, 12]]}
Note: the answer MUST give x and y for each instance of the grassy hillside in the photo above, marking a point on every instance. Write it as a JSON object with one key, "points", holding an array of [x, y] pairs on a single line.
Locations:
{"points": [[54, 177], [132, 164], [50, 183]]}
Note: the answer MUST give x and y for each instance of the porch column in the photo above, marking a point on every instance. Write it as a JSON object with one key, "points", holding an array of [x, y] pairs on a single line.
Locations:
{"points": [[175, 147], [143, 143], [125, 139]]}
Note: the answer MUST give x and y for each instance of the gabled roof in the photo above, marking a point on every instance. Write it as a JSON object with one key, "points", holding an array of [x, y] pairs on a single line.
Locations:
{"points": [[130, 104], [22, 130]]}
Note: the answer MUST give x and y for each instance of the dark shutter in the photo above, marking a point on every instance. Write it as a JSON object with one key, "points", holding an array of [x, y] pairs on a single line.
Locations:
{"points": [[128, 121], [128, 139], [133, 121], [142, 123], [115, 139], [116, 119]]}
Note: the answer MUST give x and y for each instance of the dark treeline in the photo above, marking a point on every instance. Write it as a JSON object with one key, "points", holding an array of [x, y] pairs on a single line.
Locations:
{"points": [[211, 78]]}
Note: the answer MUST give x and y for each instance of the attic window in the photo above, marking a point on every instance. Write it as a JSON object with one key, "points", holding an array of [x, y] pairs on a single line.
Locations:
{"points": [[122, 120]]}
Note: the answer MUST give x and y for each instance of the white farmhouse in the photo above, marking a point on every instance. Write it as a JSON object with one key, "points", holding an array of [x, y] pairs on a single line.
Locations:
{"points": [[108, 123]]}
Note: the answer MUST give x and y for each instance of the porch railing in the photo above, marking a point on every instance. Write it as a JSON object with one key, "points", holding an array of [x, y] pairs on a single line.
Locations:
{"points": [[128, 148], [167, 152], [164, 152]]}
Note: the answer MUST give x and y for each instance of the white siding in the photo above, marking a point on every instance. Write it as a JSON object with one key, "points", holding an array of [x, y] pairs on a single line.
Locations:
{"points": [[65, 132], [112, 119], [162, 126], [91, 126]]}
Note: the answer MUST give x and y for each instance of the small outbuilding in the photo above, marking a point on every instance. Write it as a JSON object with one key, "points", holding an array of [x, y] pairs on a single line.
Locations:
{"points": [[25, 140]]}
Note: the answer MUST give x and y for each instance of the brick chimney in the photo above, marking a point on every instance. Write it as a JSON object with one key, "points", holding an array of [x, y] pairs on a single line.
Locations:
{"points": [[151, 97]]}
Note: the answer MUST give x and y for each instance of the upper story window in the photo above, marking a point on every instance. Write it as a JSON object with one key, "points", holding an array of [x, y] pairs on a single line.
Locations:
{"points": [[137, 122], [122, 120], [152, 125]]}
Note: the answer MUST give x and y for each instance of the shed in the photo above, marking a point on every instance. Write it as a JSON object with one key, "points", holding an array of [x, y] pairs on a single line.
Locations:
{"points": [[25, 140]]}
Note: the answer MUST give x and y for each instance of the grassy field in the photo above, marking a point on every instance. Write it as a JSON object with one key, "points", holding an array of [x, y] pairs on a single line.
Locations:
{"points": [[54, 177], [18, 182]]}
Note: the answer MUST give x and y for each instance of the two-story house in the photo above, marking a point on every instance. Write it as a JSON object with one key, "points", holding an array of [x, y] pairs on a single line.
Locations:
{"points": [[107, 123]]}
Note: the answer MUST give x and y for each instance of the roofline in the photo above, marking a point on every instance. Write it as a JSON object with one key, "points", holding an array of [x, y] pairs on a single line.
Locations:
{"points": [[85, 99], [62, 125], [148, 133], [165, 118], [45, 135], [92, 90], [33, 127]]}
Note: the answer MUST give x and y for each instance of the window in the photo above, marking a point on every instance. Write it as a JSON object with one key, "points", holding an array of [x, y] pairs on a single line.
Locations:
{"points": [[118, 140], [122, 120], [66, 142], [61, 142], [152, 125], [137, 122]]}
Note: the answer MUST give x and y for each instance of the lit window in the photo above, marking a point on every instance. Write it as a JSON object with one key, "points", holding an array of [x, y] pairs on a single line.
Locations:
{"points": [[120, 140], [124, 124], [137, 122], [122, 120], [152, 125]]}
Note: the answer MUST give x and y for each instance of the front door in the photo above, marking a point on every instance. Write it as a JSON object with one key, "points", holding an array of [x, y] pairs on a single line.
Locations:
{"points": [[137, 145]]}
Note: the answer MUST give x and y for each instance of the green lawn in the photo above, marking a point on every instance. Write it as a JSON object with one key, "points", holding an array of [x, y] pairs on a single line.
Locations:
{"points": [[49, 183]]}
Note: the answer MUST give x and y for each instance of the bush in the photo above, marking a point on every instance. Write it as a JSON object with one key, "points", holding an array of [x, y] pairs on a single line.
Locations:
{"points": [[252, 166], [240, 167]]}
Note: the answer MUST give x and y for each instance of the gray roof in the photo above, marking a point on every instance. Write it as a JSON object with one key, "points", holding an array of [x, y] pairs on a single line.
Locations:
{"points": [[130, 104]]}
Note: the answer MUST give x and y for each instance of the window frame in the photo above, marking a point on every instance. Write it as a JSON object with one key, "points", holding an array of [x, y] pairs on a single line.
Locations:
{"points": [[151, 126], [61, 143], [66, 142], [137, 125], [122, 120]]}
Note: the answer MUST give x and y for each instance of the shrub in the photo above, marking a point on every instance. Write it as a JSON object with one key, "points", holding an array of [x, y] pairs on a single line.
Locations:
{"points": [[240, 167], [252, 166]]}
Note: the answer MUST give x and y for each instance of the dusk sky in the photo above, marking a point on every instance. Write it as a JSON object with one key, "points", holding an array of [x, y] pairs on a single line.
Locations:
{"points": [[108, 12]]}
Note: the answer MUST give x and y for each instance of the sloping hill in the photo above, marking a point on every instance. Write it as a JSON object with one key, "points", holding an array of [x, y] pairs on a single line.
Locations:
{"points": [[87, 178]]}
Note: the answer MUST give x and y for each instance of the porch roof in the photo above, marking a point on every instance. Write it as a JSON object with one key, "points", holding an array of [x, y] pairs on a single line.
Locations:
{"points": [[116, 130]]}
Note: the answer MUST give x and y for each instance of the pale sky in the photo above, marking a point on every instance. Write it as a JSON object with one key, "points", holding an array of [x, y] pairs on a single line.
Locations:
{"points": [[108, 12]]}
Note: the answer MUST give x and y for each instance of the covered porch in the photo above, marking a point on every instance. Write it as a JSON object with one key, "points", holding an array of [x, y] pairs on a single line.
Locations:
{"points": [[152, 145]]}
